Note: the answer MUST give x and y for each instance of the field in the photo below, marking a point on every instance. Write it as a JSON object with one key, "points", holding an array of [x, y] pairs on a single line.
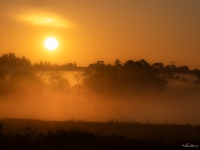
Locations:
{"points": [[40, 134], [110, 109], [99, 74]]}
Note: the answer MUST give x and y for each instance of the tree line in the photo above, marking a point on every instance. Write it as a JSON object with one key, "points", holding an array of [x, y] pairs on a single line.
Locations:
{"points": [[11, 61], [133, 77], [118, 79]]}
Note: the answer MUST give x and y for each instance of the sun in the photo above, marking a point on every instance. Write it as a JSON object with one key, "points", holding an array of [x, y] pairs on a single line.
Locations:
{"points": [[51, 43]]}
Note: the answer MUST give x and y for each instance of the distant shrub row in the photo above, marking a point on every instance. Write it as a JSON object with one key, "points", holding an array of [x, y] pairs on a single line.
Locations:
{"points": [[129, 78]]}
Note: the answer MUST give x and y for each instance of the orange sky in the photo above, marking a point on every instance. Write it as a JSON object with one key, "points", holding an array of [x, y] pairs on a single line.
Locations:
{"points": [[87, 31]]}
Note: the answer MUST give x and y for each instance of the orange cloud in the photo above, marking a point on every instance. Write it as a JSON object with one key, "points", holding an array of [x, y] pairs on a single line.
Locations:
{"points": [[36, 17], [44, 20]]}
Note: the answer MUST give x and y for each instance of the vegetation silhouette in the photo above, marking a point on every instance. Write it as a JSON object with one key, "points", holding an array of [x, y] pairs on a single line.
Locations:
{"points": [[124, 79], [198, 78], [106, 81], [94, 135], [127, 79], [24, 82], [58, 82], [11, 61]]}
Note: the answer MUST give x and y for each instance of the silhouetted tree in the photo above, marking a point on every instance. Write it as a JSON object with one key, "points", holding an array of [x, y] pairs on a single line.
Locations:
{"points": [[134, 76], [3, 79], [4, 60], [58, 82], [129, 63], [158, 65], [70, 66], [75, 64], [198, 75], [117, 62], [24, 82], [3, 84], [184, 69], [11, 61]]}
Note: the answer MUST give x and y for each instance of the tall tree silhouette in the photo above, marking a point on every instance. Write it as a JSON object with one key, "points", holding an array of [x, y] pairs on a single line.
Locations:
{"points": [[132, 77]]}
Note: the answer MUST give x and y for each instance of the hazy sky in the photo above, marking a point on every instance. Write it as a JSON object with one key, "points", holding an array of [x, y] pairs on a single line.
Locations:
{"points": [[91, 30]]}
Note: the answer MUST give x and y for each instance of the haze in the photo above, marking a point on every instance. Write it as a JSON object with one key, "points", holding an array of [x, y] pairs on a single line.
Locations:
{"points": [[129, 91], [147, 51], [158, 30]]}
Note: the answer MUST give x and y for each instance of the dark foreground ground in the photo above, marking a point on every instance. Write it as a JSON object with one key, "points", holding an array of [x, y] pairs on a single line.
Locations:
{"points": [[25, 134]]}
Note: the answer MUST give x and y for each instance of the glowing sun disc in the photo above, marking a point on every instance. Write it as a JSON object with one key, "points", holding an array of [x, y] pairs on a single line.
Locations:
{"points": [[51, 43]]}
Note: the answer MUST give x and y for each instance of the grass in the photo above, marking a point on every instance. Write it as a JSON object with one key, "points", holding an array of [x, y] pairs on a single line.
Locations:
{"points": [[71, 134]]}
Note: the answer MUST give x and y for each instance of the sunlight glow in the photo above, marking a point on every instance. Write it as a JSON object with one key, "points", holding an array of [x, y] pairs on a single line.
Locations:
{"points": [[51, 43]]}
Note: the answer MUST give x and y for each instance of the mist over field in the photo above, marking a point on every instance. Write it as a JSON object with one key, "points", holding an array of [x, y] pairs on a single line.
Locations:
{"points": [[168, 107], [99, 74], [109, 93]]}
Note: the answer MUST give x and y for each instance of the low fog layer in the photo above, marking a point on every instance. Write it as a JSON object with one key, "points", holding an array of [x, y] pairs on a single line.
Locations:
{"points": [[135, 91], [177, 104]]}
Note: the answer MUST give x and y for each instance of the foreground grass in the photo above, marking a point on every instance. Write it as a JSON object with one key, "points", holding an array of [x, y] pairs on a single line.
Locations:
{"points": [[36, 134]]}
